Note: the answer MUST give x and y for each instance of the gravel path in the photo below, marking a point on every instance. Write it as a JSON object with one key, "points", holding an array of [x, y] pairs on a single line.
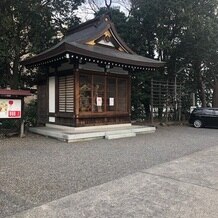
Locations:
{"points": [[35, 169]]}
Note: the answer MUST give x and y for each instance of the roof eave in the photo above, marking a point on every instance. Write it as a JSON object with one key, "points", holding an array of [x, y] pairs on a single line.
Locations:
{"points": [[69, 48], [45, 55]]}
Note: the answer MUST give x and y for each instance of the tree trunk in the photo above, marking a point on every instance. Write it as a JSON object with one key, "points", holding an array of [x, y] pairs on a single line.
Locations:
{"points": [[215, 94], [200, 83], [202, 91], [15, 81]]}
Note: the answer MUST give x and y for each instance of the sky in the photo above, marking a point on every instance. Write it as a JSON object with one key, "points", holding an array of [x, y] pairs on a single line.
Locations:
{"points": [[85, 12]]}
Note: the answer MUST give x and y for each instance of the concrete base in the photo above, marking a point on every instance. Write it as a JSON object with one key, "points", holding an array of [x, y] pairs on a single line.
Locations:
{"points": [[74, 134]]}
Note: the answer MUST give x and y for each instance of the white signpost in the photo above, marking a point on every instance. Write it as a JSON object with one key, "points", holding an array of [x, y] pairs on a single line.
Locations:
{"points": [[10, 108]]}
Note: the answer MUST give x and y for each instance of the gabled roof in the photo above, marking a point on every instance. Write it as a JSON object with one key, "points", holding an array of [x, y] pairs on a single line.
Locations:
{"points": [[97, 41], [91, 31]]}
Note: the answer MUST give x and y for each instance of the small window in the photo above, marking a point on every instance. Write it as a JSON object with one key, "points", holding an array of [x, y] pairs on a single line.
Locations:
{"points": [[111, 94], [100, 93], [66, 93], [208, 111], [85, 87], [216, 112], [122, 95]]}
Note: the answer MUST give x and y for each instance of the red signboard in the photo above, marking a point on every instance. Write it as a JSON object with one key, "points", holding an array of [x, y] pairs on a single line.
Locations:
{"points": [[14, 114], [10, 108]]}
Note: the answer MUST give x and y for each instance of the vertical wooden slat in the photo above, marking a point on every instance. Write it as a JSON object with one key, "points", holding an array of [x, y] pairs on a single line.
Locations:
{"points": [[66, 93]]}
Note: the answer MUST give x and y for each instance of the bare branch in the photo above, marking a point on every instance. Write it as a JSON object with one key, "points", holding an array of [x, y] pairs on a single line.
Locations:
{"points": [[127, 4], [93, 5], [108, 3]]}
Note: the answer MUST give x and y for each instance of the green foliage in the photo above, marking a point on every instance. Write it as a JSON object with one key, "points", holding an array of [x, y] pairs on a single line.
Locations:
{"points": [[10, 124], [28, 27], [118, 18], [141, 92], [30, 113], [140, 95], [182, 33]]}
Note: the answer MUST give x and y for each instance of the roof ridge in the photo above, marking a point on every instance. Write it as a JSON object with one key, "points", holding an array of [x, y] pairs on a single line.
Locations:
{"points": [[95, 22]]}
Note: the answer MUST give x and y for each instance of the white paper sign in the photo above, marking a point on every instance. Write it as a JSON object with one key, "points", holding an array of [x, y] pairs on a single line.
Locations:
{"points": [[111, 101], [10, 108], [99, 101]]}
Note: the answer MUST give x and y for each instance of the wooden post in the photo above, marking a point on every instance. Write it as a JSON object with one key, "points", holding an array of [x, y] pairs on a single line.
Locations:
{"points": [[180, 102], [22, 129], [159, 103], [152, 101], [22, 120], [77, 95], [167, 101], [215, 93], [175, 98]]}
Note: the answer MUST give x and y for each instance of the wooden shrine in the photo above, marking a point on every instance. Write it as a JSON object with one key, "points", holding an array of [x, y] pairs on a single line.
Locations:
{"points": [[87, 77]]}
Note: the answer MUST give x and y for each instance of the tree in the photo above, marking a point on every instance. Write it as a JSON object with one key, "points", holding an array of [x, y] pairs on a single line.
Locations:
{"points": [[118, 18], [28, 27], [182, 33], [199, 47], [96, 5]]}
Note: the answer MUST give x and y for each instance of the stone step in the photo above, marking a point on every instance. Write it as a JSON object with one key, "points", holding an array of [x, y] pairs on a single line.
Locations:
{"points": [[46, 132], [118, 131], [143, 130], [120, 135], [69, 135], [83, 136], [88, 128]]}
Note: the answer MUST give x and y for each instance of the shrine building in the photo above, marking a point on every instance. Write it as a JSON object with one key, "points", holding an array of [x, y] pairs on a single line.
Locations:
{"points": [[87, 77]]}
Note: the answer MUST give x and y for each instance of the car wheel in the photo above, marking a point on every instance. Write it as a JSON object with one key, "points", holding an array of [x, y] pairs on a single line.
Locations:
{"points": [[197, 124]]}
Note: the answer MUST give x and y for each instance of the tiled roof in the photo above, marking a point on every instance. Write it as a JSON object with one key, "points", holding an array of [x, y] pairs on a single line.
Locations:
{"points": [[76, 43]]}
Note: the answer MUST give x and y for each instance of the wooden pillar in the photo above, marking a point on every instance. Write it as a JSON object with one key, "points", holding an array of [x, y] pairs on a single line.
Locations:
{"points": [[167, 115], [76, 96], [180, 102], [22, 119], [152, 98], [130, 97], [215, 94]]}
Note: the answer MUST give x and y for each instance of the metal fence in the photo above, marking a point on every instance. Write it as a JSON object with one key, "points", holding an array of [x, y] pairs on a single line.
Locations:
{"points": [[165, 101]]}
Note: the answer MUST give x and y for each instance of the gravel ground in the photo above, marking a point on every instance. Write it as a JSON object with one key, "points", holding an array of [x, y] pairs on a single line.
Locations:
{"points": [[35, 170]]}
